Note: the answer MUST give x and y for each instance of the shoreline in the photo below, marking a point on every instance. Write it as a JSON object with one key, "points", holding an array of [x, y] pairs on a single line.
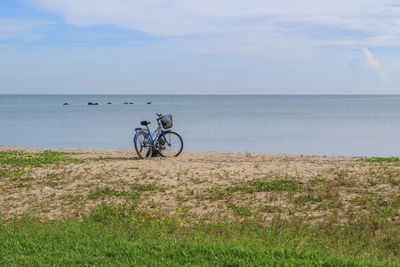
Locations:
{"points": [[126, 150]]}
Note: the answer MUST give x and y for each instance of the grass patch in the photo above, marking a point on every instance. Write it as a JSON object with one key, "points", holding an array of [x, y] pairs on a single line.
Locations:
{"points": [[148, 187], [19, 158], [240, 210], [271, 209], [381, 159], [264, 186], [49, 183], [276, 185], [21, 185], [234, 189], [112, 192], [309, 197], [216, 193]]}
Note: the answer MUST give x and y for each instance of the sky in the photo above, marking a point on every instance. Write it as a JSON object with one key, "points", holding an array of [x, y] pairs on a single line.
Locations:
{"points": [[199, 47]]}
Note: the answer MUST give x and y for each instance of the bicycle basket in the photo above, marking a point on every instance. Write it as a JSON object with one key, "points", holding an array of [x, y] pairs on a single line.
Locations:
{"points": [[166, 121]]}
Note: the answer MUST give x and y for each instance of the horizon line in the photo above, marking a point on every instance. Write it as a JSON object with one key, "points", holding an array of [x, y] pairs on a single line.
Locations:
{"points": [[371, 94]]}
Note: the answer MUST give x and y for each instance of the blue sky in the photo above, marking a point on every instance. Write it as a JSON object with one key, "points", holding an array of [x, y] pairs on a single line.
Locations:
{"points": [[200, 47]]}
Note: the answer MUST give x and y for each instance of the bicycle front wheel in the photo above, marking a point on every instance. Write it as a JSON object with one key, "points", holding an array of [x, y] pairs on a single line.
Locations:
{"points": [[171, 144], [142, 145]]}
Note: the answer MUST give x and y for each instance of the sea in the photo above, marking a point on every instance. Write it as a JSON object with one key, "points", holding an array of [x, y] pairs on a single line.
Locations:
{"points": [[350, 125]]}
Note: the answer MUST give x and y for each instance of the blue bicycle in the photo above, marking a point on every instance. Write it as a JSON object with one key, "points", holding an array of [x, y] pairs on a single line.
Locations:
{"points": [[164, 141]]}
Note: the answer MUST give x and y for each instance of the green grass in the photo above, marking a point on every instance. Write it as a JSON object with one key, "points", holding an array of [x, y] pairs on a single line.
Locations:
{"points": [[216, 193], [106, 191], [148, 187], [15, 173], [309, 197], [234, 189], [19, 158], [126, 235], [269, 208], [276, 185], [264, 186], [49, 183], [240, 210], [381, 160]]}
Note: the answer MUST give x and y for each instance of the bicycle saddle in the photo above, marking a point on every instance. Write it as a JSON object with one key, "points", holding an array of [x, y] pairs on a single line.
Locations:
{"points": [[145, 123]]}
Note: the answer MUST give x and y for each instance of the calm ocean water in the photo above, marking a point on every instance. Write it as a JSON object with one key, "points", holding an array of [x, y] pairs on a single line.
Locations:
{"points": [[321, 125]]}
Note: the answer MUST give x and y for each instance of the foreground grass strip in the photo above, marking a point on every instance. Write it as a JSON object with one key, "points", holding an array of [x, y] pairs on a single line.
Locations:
{"points": [[164, 252], [126, 235]]}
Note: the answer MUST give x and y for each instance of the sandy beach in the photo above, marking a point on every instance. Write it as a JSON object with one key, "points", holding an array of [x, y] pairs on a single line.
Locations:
{"points": [[201, 185]]}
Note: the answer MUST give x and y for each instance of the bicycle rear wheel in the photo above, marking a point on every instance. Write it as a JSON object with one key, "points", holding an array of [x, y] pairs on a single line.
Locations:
{"points": [[142, 145], [170, 144]]}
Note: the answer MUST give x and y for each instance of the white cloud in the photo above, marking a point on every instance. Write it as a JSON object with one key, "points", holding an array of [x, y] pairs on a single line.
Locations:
{"points": [[177, 17], [372, 63], [285, 28]]}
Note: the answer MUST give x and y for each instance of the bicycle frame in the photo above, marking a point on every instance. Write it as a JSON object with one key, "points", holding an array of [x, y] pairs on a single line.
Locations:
{"points": [[154, 137]]}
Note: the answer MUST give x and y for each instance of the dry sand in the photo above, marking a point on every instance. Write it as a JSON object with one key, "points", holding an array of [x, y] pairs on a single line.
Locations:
{"points": [[196, 183]]}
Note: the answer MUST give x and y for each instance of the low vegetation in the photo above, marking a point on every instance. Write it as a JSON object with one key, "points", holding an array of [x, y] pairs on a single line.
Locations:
{"points": [[19, 158], [265, 186], [78, 209], [126, 235], [112, 192], [381, 159]]}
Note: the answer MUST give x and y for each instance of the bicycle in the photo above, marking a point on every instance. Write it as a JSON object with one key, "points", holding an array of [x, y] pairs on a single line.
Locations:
{"points": [[164, 141]]}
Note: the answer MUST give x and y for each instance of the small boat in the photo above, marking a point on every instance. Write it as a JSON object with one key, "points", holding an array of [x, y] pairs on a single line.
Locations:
{"points": [[148, 103], [92, 104], [125, 103], [130, 103], [109, 103], [65, 104]]}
